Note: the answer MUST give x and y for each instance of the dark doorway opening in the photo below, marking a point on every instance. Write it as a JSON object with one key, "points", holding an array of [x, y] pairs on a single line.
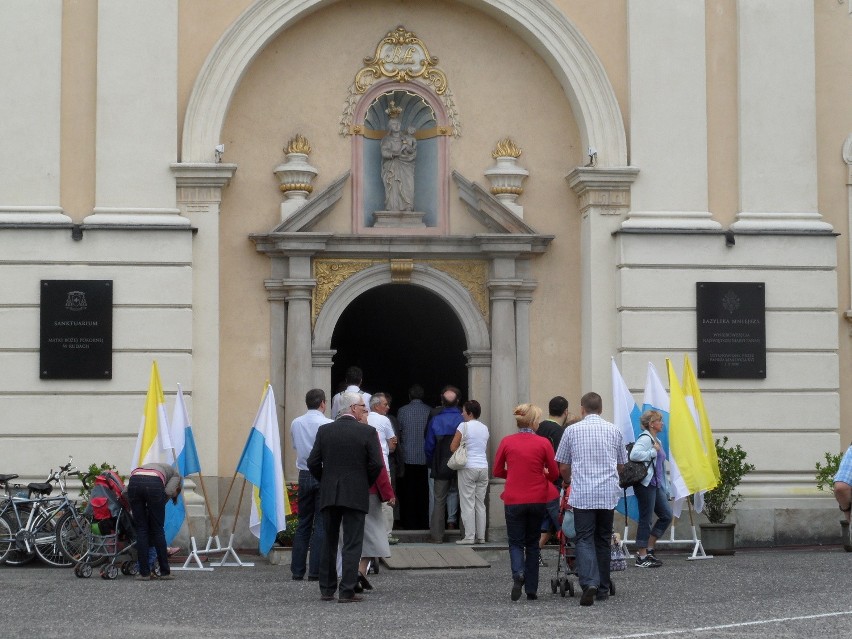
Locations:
{"points": [[400, 334]]}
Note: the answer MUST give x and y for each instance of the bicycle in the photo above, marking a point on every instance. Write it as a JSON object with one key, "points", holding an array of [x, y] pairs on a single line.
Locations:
{"points": [[51, 528]]}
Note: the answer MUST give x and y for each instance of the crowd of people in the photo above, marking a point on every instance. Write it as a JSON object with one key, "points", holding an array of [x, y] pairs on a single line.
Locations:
{"points": [[352, 467]]}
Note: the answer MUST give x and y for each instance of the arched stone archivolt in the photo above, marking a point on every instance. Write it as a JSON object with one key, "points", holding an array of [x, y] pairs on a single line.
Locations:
{"points": [[543, 27], [432, 279]]}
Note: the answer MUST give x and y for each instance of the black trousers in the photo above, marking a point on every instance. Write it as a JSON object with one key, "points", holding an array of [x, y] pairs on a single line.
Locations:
{"points": [[414, 497], [352, 521]]}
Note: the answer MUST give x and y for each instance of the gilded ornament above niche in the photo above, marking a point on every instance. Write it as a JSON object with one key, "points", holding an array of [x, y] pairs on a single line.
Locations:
{"points": [[404, 58]]}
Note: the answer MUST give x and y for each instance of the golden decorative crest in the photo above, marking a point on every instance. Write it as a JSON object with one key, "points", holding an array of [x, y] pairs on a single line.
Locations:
{"points": [[472, 275], [506, 148], [298, 144], [401, 56], [329, 274]]}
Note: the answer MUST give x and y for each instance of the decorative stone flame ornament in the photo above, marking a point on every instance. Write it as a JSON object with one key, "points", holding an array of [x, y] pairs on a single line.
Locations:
{"points": [[295, 175], [506, 176]]}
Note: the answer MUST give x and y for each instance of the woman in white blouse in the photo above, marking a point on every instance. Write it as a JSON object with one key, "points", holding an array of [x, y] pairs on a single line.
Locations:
{"points": [[473, 478]]}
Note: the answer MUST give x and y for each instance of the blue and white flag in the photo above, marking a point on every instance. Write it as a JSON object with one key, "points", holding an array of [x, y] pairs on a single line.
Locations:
{"points": [[626, 417], [187, 463], [261, 465]]}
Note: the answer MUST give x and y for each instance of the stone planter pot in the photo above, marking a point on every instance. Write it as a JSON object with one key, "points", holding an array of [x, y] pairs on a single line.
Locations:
{"points": [[718, 539], [847, 540]]}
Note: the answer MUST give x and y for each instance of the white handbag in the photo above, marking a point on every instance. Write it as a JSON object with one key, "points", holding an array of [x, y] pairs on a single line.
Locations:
{"points": [[458, 459]]}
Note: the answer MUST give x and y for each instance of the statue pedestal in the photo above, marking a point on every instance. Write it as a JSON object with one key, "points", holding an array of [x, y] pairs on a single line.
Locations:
{"points": [[398, 220]]}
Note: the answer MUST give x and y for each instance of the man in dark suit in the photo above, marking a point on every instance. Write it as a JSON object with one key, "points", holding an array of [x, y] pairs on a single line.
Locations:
{"points": [[346, 459]]}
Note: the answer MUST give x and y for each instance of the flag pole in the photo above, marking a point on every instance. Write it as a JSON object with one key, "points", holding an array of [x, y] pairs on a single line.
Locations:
{"points": [[215, 530], [229, 549]]}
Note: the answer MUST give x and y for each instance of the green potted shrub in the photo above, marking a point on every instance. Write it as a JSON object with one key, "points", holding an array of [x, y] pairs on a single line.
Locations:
{"points": [[825, 481], [717, 535]]}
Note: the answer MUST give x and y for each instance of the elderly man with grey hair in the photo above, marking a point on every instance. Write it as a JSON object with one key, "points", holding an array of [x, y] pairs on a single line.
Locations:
{"points": [[346, 460], [379, 407]]}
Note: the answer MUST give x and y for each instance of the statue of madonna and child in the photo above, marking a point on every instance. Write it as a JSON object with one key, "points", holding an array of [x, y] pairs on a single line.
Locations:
{"points": [[399, 151]]}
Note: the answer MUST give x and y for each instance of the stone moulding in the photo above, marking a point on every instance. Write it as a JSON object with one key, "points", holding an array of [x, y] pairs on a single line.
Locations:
{"points": [[472, 275]]}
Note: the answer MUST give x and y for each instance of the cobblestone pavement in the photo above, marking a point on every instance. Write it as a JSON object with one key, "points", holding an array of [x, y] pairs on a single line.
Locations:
{"points": [[782, 593]]}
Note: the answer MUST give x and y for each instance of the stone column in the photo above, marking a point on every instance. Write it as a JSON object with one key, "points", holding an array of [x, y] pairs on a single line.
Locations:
{"points": [[323, 360], [604, 199], [523, 300], [668, 114], [777, 117], [31, 77], [504, 365], [299, 287], [137, 110]]}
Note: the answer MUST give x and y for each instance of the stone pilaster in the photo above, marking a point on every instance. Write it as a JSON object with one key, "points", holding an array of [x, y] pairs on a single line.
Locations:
{"points": [[777, 117], [523, 300], [199, 195], [604, 196], [503, 286]]}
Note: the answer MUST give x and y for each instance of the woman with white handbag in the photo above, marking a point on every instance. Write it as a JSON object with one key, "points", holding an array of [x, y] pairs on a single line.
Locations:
{"points": [[472, 435]]}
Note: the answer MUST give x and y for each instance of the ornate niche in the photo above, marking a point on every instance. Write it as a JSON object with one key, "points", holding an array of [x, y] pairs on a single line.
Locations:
{"points": [[400, 114]]}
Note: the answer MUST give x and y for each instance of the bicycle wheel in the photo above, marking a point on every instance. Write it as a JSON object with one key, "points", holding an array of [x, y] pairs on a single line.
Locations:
{"points": [[17, 556], [6, 539], [74, 534], [47, 543]]}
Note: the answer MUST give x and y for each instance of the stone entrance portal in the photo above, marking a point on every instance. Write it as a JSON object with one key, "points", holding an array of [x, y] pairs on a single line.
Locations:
{"points": [[399, 334]]}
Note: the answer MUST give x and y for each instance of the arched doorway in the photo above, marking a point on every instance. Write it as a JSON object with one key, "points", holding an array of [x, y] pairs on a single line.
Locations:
{"points": [[399, 334]]}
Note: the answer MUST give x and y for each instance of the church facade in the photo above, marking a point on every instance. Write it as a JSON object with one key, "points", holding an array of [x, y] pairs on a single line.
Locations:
{"points": [[502, 195]]}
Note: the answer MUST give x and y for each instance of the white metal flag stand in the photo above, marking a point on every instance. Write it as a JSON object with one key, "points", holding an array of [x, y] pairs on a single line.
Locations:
{"points": [[193, 560], [695, 542], [214, 545]]}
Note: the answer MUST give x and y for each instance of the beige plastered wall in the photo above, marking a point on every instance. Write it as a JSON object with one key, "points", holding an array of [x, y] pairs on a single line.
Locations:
{"points": [[833, 25], [298, 85]]}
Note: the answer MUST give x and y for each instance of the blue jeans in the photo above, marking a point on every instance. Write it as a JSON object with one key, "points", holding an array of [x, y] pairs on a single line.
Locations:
{"points": [[594, 535], [523, 528], [147, 497], [652, 499], [310, 532]]}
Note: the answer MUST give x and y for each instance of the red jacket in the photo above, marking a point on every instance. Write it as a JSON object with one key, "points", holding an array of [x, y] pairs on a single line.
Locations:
{"points": [[522, 459]]}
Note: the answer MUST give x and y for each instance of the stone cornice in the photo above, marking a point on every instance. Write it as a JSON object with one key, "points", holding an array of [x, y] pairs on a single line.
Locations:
{"points": [[488, 210], [202, 174], [314, 209], [400, 246]]}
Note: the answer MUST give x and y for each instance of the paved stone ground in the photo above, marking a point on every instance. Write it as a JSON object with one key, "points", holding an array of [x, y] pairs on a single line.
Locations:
{"points": [[782, 593]]}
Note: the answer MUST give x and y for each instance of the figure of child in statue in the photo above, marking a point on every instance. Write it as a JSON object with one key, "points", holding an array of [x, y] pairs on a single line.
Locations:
{"points": [[398, 155]]}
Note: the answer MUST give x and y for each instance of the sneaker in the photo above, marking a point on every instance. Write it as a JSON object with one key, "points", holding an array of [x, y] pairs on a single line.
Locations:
{"points": [[467, 541], [166, 577], [541, 562], [532, 596], [653, 557], [393, 541], [647, 562], [517, 586], [143, 577]]}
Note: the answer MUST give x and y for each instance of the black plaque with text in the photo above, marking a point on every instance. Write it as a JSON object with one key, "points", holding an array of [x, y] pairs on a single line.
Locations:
{"points": [[731, 330], [76, 329]]}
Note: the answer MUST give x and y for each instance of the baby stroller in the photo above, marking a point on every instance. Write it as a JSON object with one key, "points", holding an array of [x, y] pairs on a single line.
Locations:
{"points": [[113, 537], [565, 567]]}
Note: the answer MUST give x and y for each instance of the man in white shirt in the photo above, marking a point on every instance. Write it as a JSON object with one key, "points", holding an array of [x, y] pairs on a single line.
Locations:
{"points": [[310, 532], [354, 378], [379, 407]]}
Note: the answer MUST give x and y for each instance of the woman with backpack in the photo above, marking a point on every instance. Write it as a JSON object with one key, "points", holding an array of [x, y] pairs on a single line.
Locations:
{"points": [[652, 492]]}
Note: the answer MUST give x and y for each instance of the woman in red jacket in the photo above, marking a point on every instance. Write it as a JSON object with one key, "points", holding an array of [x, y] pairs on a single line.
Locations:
{"points": [[526, 462]]}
